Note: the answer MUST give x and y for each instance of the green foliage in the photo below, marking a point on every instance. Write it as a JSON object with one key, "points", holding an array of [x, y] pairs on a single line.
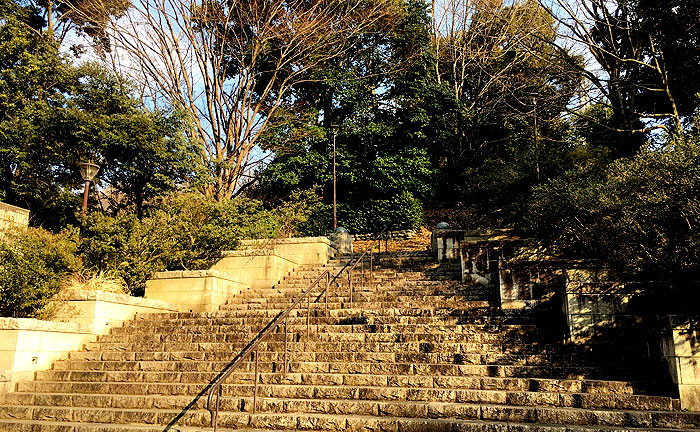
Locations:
{"points": [[642, 214], [33, 263]]}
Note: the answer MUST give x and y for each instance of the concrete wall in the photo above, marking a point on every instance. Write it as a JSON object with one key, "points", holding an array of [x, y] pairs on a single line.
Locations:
{"points": [[196, 291], [11, 216], [29, 345], [100, 311]]}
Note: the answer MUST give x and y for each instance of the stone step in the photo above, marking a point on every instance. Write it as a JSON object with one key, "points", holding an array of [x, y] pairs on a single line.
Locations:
{"points": [[354, 308], [334, 303], [48, 426], [365, 363], [67, 407], [272, 422], [223, 321], [390, 285], [299, 343], [426, 381], [464, 308], [474, 316], [340, 356], [365, 337], [343, 392]]}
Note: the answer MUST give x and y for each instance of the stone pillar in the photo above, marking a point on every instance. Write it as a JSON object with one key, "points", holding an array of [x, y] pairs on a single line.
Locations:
{"points": [[680, 346], [445, 242], [593, 299]]}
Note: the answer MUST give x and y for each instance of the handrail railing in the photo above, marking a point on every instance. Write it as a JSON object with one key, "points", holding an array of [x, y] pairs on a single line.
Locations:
{"points": [[214, 397]]}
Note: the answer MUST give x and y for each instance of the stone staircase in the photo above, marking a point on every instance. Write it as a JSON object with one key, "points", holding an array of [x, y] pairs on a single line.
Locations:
{"points": [[414, 351]]}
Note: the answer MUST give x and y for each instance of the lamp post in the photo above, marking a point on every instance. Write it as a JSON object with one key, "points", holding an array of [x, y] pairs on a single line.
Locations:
{"points": [[334, 129], [88, 171]]}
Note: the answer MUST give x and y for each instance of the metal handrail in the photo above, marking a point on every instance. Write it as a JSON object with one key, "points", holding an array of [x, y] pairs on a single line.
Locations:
{"points": [[252, 347]]}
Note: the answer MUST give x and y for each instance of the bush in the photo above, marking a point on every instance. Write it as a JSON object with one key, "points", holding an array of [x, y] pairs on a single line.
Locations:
{"points": [[181, 232], [33, 264]]}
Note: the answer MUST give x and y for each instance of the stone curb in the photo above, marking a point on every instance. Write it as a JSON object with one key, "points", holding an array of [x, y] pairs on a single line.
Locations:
{"points": [[284, 241], [39, 325], [185, 274], [95, 295]]}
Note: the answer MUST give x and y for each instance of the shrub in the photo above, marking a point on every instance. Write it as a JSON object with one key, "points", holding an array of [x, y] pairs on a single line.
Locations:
{"points": [[181, 232], [641, 215], [33, 264]]}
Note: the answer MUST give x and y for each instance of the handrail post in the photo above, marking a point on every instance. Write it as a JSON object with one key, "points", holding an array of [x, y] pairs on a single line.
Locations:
{"points": [[350, 285], [362, 270], [215, 415], [328, 287], [255, 386], [308, 315], [286, 364]]}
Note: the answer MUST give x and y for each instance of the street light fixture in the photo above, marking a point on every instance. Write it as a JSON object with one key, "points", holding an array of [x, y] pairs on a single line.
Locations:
{"points": [[88, 171], [334, 129]]}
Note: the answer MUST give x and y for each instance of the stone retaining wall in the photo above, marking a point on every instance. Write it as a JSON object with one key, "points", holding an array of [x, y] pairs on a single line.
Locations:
{"points": [[680, 346], [29, 345], [259, 264], [194, 290]]}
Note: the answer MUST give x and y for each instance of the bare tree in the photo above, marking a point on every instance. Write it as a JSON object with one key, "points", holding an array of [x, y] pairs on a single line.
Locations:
{"points": [[232, 64], [481, 44]]}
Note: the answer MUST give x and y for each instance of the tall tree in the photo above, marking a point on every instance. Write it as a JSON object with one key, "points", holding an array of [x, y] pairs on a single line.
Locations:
{"points": [[231, 65], [54, 115]]}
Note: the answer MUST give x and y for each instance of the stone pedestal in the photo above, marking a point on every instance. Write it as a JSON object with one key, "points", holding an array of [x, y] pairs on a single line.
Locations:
{"points": [[445, 243], [342, 241]]}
